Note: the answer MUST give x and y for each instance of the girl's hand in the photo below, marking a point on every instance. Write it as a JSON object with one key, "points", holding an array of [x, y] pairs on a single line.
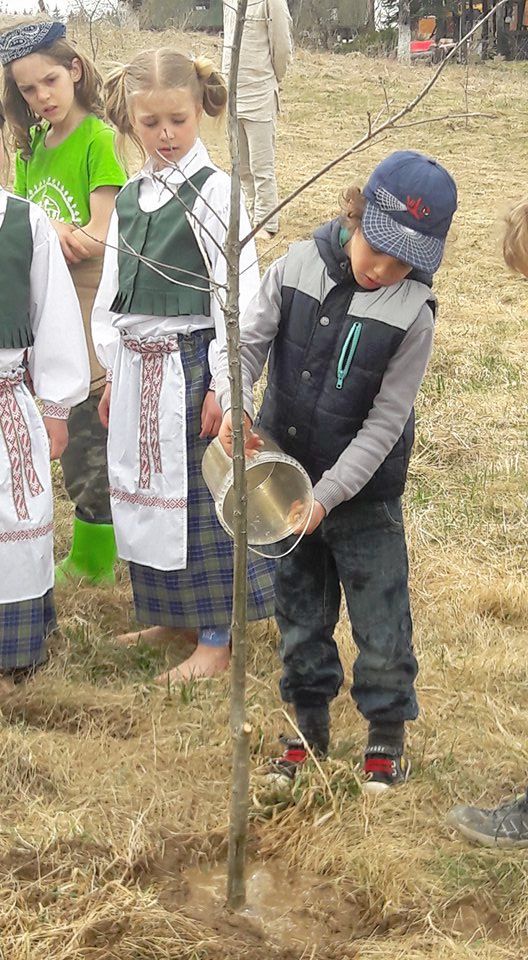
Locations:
{"points": [[253, 442], [73, 248], [211, 416], [57, 431], [104, 406], [297, 512]]}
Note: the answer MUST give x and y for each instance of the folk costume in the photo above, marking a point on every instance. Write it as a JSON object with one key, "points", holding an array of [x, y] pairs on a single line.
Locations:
{"points": [[158, 329], [42, 346], [60, 180]]}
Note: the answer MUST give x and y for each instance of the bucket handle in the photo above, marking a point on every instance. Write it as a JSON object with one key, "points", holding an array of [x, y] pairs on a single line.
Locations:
{"points": [[279, 556]]}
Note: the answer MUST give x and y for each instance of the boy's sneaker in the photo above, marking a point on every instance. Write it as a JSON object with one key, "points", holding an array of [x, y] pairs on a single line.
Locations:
{"points": [[505, 826], [384, 767], [284, 769]]}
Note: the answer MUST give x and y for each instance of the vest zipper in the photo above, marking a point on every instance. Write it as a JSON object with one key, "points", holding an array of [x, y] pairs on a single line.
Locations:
{"points": [[347, 354]]}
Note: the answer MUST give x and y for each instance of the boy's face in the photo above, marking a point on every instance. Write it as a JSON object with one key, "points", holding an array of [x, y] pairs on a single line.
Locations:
{"points": [[371, 268]]}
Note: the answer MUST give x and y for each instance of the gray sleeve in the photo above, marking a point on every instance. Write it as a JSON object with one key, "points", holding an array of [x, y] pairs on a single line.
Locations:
{"points": [[386, 420], [258, 328]]}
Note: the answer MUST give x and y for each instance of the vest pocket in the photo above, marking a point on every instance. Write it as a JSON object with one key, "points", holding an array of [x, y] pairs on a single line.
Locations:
{"points": [[347, 354]]}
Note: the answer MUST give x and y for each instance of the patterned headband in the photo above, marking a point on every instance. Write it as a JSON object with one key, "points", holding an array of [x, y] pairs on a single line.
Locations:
{"points": [[29, 38]]}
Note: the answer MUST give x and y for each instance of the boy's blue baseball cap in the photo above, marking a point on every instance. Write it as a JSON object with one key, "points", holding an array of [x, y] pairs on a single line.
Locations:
{"points": [[411, 200]]}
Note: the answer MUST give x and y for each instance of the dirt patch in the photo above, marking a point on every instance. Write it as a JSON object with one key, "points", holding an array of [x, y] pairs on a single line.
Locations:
{"points": [[69, 712]]}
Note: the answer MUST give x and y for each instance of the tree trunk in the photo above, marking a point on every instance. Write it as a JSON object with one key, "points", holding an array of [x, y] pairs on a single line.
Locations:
{"points": [[404, 32], [240, 729], [371, 15]]}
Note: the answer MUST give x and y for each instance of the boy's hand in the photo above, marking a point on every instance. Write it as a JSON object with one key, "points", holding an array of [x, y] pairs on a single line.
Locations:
{"points": [[211, 416], [72, 247], [57, 431], [253, 442], [297, 513], [103, 408]]}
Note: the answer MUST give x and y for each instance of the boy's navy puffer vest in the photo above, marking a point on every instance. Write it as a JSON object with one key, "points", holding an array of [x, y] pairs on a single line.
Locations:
{"points": [[334, 344]]}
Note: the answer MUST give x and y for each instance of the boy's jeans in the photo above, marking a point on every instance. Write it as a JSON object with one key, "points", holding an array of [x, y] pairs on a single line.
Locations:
{"points": [[362, 546]]}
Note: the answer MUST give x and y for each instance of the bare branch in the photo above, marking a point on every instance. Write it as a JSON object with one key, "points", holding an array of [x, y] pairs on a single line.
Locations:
{"points": [[181, 171], [390, 123]]}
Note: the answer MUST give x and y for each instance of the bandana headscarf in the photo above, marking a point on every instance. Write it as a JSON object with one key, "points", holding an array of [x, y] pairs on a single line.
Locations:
{"points": [[29, 38]]}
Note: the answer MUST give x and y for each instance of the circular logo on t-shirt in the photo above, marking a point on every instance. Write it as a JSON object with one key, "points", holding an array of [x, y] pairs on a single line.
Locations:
{"points": [[52, 197]]}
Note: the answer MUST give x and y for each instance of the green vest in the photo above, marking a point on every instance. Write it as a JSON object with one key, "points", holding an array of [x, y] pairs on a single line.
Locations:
{"points": [[16, 254], [166, 237]]}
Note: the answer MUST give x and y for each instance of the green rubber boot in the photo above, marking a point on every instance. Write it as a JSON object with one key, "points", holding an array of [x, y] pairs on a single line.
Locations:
{"points": [[92, 556]]}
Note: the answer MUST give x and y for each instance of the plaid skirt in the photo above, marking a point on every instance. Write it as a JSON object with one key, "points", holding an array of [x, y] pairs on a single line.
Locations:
{"points": [[202, 594], [24, 628]]}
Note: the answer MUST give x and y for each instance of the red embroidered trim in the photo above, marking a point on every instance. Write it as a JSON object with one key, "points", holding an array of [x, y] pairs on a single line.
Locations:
{"points": [[55, 410], [143, 500], [18, 535]]}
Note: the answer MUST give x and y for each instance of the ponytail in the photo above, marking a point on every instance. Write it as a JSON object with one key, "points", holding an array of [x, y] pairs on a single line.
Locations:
{"points": [[214, 87], [116, 110]]}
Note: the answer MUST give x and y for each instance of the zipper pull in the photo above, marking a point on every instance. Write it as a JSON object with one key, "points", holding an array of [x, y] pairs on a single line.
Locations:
{"points": [[347, 354]]}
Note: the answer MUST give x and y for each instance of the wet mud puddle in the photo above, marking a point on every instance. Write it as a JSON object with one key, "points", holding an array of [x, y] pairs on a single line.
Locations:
{"points": [[285, 908]]}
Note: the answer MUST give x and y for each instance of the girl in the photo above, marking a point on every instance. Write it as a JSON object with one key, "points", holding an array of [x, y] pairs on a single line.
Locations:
{"points": [[66, 164], [39, 320], [154, 326]]}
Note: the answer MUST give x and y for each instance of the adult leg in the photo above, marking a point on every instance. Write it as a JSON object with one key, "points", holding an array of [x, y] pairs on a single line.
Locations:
{"points": [[246, 177], [261, 139]]}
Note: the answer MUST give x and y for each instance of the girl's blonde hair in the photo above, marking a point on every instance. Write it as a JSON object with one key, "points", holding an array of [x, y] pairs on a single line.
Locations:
{"points": [[5, 168], [163, 69], [87, 92], [352, 204], [515, 240]]}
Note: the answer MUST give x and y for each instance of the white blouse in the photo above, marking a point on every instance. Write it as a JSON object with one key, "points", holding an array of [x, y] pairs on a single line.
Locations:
{"points": [[211, 215], [58, 360]]}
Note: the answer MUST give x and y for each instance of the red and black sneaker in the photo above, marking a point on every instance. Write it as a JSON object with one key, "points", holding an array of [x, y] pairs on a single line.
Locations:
{"points": [[384, 767], [284, 769]]}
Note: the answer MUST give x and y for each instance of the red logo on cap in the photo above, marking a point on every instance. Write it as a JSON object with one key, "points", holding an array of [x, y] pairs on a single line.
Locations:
{"points": [[417, 208]]}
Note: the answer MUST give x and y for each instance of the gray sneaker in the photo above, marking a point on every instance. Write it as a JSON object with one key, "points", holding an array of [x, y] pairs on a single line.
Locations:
{"points": [[505, 826]]}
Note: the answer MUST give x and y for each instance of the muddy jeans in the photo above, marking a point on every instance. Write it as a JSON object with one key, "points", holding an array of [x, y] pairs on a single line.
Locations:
{"points": [[84, 463], [361, 546]]}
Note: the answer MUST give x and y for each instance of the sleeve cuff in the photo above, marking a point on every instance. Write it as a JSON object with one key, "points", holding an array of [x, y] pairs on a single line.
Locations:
{"points": [[55, 410], [109, 376], [329, 494]]}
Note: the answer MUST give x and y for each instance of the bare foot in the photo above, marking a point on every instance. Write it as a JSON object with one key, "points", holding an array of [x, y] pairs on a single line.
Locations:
{"points": [[204, 662], [156, 636]]}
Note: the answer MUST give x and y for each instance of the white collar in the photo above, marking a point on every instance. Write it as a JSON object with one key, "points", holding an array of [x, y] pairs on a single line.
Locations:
{"points": [[196, 158]]}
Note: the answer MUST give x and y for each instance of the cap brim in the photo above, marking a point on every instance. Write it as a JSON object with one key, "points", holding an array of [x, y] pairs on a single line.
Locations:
{"points": [[387, 235]]}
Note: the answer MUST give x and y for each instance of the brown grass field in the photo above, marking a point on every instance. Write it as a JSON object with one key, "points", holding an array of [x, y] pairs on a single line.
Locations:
{"points": [[114, 794]]}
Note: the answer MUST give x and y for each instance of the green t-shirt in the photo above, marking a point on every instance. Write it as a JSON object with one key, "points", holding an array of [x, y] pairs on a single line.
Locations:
{"points": [[60, 179]]}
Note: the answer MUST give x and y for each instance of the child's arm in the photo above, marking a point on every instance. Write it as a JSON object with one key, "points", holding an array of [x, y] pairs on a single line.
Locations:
{"points": [[58, 360], [384, 425], [102, 202], [258, 328]]}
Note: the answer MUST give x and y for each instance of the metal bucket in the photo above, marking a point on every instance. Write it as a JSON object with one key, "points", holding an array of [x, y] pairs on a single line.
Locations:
{"points": [[279, 491]]}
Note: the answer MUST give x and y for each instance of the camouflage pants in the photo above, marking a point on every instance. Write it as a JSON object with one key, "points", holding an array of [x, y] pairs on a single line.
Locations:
{"points": [[84, 463]]}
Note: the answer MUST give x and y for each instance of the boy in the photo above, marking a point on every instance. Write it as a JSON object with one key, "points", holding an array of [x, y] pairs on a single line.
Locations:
{"points": [[349, 317]]}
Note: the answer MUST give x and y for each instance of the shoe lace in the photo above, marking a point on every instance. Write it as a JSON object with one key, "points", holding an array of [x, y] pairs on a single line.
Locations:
{"points": [[505, 809]]}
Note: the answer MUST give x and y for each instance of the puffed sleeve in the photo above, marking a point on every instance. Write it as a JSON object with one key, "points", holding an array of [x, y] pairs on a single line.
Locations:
{"points": [[105, 336], [58, 360]]}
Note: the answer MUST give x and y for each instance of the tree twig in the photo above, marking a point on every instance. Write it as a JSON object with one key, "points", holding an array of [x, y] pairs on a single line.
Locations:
{"points": [[390, 123]]}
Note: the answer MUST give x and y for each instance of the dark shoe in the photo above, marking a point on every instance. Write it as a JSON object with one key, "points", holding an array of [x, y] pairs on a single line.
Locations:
{"points": [[505, 826], [284, 769], [384, 768]]}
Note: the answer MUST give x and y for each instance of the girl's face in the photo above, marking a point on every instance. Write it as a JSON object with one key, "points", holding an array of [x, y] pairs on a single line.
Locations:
{"points": [[167, 123], [371, 268], [47, 87]]}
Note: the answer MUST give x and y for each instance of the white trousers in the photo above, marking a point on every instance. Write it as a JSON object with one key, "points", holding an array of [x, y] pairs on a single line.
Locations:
{"points": [[257, 169]]}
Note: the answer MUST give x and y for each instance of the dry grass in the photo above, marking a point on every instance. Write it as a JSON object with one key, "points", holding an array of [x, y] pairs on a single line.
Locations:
{"points": [[110, 788]]}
